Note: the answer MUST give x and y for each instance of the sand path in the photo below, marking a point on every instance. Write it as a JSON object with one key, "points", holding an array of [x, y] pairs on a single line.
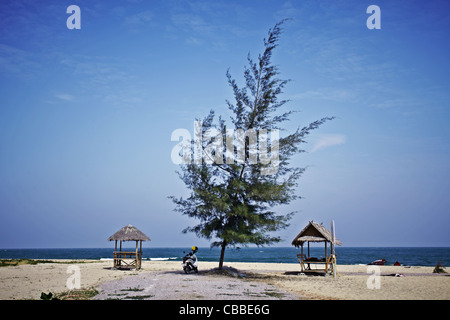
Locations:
{"points": [[176, 285]]}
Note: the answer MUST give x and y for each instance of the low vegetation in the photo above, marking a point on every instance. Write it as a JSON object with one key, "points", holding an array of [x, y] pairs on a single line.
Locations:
{"points": [[17, 262], [79, 294]]}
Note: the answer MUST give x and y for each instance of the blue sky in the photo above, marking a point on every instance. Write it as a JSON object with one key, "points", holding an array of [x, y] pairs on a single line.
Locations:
{"points": [[86, 115]]}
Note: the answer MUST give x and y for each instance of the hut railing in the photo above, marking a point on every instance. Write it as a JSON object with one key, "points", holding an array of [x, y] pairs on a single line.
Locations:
{"points": [[122, 259]]}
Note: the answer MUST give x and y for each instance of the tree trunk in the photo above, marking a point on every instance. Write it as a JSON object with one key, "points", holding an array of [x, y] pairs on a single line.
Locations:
{"points": [[222, 253]]}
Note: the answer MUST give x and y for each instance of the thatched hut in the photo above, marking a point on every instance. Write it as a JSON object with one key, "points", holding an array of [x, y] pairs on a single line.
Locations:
{"points": [[128, 259], [315, 232]]}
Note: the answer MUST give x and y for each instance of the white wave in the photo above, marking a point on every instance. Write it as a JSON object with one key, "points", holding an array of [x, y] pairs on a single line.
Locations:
{"points": [[151, 259]]}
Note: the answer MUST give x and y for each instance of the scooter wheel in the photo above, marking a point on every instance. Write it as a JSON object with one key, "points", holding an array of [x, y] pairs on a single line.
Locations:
{"points": [[186, 270], [196, 270]]}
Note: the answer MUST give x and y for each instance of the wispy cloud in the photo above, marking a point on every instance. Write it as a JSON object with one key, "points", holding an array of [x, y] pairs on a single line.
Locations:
{"points": [[194, 41], [105, 78], [201, 22], [328, 140], [64, 96], [325, 94], [139, 19], [17, 61], [99, 71], [193, 22]]}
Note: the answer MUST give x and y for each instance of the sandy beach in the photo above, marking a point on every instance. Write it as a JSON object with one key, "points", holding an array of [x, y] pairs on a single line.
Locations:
{"points": [[165, 280]]}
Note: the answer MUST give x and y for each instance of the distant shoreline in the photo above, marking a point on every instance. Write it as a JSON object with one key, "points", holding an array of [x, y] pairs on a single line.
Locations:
{"points": [[110, 260]]}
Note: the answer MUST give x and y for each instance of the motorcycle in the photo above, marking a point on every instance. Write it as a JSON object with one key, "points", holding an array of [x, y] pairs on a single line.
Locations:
{"points": [[190, 263]]}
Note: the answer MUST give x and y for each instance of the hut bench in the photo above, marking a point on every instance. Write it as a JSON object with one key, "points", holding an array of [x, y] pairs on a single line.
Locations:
{"points": [[305, 263]]}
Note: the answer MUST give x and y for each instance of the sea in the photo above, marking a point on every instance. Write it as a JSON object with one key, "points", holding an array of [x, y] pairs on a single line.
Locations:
{"points": [[418, 256]]}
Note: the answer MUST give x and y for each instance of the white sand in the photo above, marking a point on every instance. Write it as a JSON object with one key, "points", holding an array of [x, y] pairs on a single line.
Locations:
{"points": [[28, 281]]}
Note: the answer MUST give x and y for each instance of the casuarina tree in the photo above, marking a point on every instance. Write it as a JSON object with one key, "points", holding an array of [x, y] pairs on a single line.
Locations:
{"points": [[235, 183]]}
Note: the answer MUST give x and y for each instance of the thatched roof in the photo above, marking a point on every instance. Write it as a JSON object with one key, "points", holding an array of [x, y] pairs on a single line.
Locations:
{"points": [[129, 233], [314, 232]]}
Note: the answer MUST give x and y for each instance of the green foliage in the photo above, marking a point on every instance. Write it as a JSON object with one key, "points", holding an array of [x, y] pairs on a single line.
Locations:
{"points": [[79, 294], [17, 262], [235, 202]]}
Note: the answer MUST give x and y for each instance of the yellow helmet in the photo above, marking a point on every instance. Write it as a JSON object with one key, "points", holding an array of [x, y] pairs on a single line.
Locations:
{"points": [[194, 248]]}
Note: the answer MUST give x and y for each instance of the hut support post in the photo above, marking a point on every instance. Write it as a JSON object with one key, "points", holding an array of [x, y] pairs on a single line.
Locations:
{"points": [[301, 257], [115, 252], [119, 261], [137, 256], [140, 253]]}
